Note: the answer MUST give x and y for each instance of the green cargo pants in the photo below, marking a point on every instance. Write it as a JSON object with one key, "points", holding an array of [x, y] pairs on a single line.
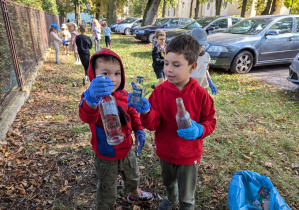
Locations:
{"points": [[180, 182], [107, 173]]}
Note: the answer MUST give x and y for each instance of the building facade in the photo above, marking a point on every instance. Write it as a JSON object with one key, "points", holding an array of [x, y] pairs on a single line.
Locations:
{"points": [[209, 9]]}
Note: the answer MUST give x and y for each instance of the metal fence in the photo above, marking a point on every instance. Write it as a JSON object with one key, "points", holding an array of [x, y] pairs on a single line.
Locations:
{"points": [[24, 37]]}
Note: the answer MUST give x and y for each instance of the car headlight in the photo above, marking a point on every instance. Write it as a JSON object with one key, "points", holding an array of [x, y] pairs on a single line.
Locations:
{"points": [[216, 48], [141, 31]]}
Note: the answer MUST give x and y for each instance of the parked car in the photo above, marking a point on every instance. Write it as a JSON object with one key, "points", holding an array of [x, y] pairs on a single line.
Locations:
{"points": [[257, 41], [136, 25], [112, 26], [294, 71], [147, 33], [124, 27], [210, 24]]}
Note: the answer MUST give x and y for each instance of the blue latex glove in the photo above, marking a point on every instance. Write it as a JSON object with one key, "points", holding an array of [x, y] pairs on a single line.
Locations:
{"points": [[99, 87], [212, 86], [145, 107], [140, 137], [193, 132], [64, 41]]}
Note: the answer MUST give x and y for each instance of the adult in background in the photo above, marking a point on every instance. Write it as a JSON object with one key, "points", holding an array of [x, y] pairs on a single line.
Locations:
{"points": [[96, 33]]}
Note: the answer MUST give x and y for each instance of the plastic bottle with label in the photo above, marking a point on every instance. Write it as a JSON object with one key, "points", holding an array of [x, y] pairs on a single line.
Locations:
{"points": [[138, 91], [265, 198], [110, 118]]}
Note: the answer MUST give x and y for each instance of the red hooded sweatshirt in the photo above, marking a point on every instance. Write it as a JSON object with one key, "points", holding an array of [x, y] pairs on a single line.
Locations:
{"points": [[161, 118], [93, 118]]}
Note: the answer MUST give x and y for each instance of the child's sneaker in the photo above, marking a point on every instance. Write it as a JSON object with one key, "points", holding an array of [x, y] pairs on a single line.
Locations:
{"points": [[166, 205], [85, 80], [143, 196]]}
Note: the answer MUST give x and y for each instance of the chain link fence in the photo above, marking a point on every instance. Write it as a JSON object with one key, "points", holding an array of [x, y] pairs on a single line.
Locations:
{"points": [[24, 37]]}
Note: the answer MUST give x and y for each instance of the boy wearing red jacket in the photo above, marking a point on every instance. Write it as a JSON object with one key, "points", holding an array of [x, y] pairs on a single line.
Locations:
{"points": [[117, 159], [179, 150]]}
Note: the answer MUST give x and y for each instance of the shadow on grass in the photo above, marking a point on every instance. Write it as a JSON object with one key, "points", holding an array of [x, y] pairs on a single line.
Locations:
{"points": [[141, 54]]}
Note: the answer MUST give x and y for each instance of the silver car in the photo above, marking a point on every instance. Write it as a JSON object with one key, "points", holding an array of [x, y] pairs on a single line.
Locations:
{"points": [[257, 41], [294, 71], [124, 26]]}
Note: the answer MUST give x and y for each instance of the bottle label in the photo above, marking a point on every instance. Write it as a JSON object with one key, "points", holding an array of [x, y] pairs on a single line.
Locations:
{"points": [[109, 108], [136, 94]]}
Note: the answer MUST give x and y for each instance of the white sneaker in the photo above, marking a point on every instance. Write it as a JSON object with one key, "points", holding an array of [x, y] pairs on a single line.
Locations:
{"points": [[68, 54], [76, 63], [79, 63]]}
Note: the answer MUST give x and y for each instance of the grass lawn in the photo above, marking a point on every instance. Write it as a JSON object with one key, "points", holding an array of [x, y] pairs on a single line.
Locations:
{"points": [[257, 130]]}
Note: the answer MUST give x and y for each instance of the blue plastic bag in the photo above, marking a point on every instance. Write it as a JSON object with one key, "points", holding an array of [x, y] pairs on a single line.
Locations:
{"points": [[243, 192]]}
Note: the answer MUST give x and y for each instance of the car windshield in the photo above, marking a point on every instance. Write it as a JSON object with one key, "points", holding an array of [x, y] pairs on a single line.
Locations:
{"points": [[160, 22], [199, 23], [249, 26], [128, 20]]}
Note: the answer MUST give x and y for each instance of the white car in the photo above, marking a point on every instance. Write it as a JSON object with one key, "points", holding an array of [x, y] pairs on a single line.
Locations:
{"points": [[124, 26]]}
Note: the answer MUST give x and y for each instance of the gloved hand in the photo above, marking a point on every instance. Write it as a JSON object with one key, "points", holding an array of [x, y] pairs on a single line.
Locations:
{"points": [[193, 132], [140, 137], [64, 41], [212, 86], [145, 107], [99, 87]]}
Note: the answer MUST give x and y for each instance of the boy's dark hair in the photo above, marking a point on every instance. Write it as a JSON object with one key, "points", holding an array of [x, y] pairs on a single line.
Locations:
{"points": [[83, 28], [104, 59], [184, 44]]}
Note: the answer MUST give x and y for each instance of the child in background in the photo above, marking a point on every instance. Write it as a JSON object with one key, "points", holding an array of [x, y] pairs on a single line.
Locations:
{"points": [[55, 40], [201, 73], [118, 159], [65, 36], [73, 47], [106, 33], [158, 56], [96, 33], [84, 43], [179, 150]]}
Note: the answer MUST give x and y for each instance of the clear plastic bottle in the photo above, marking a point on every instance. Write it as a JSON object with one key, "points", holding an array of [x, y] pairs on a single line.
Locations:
{"points": [[110, 119], [138, 91], [183, 119]]}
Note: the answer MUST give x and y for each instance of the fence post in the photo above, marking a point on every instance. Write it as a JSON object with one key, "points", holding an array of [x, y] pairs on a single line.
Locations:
{"points": [[11, 43], [31, 33]]}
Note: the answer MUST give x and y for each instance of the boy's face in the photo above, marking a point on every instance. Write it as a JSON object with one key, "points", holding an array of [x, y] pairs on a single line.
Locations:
{"points": [[177, 70], [161, 40], [110, 70]]}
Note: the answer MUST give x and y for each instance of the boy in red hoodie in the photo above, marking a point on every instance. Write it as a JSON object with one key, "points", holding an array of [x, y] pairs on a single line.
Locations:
{"points": [[117, 159], [179, 150]]}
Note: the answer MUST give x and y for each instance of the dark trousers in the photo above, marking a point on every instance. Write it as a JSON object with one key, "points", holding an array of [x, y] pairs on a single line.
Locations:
{"points": [[107, 41], [85, 62]]}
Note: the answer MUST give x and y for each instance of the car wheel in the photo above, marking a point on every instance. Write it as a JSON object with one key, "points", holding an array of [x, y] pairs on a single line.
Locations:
{"points": [[242, 63], [127, 31], [151, 37]]}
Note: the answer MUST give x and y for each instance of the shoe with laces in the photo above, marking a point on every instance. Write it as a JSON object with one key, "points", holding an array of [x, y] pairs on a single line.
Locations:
{"points": [[85, 80], [143, 196], [166, 205]]}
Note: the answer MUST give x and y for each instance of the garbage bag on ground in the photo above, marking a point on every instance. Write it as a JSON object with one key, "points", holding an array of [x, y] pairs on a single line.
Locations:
{"points": [[243, 192]]}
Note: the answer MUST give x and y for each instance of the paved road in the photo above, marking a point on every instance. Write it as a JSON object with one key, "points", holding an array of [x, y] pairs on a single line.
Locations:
{"points": [[274, 75]]}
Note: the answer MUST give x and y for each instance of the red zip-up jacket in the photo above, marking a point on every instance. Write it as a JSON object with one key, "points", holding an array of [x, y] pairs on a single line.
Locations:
{"points": [[93, 118], [161, 118]]}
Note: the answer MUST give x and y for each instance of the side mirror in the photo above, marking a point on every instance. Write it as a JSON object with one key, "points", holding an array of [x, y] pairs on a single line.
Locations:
{"points": [[210, 28], [272, 32]]}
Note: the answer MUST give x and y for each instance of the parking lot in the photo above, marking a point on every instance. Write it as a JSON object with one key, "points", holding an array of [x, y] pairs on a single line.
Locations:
{"points": [[275, 75]]}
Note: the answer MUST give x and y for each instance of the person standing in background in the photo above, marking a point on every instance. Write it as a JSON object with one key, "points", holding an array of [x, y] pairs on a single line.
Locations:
{"points": [[55, 40], [106, 33], [73, 47], [65, 36], [96, 33]]}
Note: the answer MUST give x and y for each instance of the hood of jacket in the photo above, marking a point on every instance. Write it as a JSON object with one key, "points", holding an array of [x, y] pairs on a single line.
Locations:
{"points": [[192, 84], [105, 52]]}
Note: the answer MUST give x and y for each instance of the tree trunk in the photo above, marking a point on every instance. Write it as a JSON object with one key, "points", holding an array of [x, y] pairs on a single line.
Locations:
{"points": [[273, 7], [79, 15], [243, 10], [112, 12], [98, 10], [164, 8], [218, 7], [191, 8], [196, 10], [267, 8], [150, 12]]}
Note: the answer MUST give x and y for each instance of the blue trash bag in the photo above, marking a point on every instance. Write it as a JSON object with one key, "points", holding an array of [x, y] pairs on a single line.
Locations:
{"points": [[243, 192]]}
